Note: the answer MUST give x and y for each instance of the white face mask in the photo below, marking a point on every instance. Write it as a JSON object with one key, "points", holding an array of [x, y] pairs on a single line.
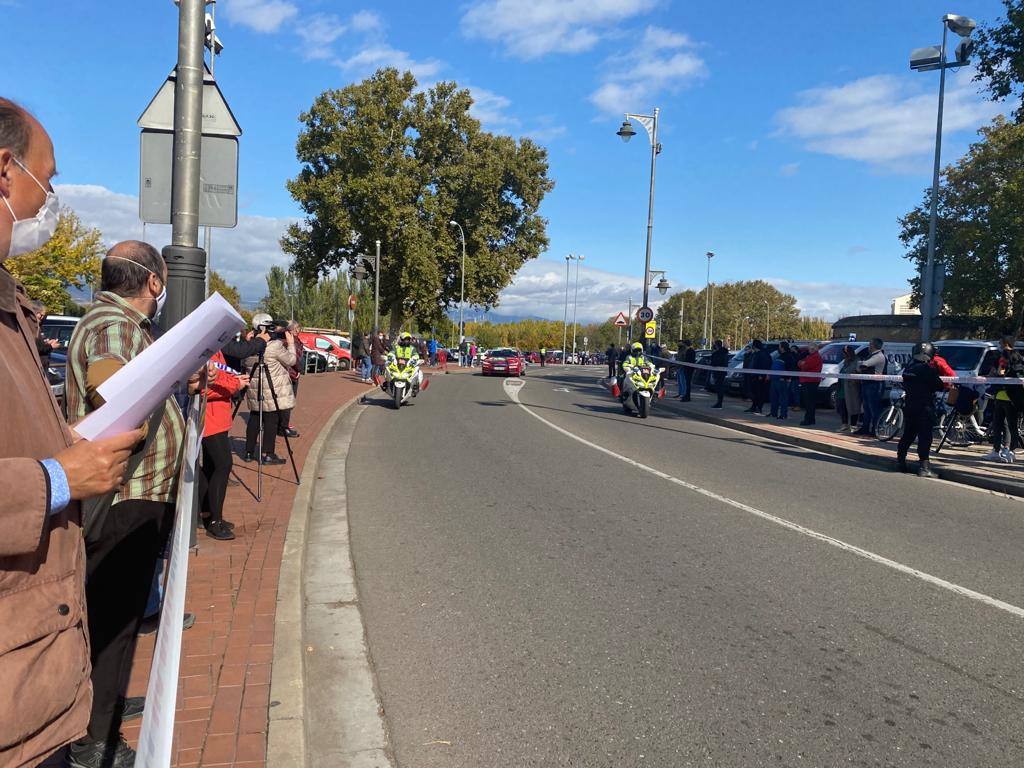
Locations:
{"points": [[28, 235], [162, 298]]}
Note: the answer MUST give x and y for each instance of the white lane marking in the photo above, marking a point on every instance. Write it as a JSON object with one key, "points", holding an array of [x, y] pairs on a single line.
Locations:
{"points": [[561, 389], [851, 548]]}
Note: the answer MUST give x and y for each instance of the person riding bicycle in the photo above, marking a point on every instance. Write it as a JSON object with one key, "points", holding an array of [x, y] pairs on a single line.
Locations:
{"points": [[406, 350], [920, 383]]}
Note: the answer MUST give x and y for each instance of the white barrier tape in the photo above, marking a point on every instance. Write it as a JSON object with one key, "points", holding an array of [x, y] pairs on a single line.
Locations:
{"points": [[157, 734], [894, 377]]}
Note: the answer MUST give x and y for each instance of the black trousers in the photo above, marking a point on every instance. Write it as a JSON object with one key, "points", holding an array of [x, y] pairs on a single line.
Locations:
{"points": [[759, 393], [918, 424], [121, 553], [252, 430], [1004, 419], [213, 479], [809, 400], [285, 419], [719, 386], [688, 375]]}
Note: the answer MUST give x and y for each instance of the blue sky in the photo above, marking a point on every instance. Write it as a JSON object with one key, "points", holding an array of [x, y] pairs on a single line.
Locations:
{"points": [[793, 139]]}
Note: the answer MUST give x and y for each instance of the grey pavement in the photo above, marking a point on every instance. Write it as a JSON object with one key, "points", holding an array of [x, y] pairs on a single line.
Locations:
{"points": [[530, 600]]}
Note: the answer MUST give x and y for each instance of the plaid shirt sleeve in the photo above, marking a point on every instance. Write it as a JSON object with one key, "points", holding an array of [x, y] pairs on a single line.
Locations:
{"points": [[119, 341]]}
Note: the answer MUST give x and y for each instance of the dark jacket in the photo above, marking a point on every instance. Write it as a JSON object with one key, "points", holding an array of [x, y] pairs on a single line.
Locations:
{"points": [[236, 351], [720, 358], [762, 360], [921, 382]]}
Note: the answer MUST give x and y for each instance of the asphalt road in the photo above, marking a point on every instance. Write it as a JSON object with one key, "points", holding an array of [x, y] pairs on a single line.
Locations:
{"points": [[532, 600]]}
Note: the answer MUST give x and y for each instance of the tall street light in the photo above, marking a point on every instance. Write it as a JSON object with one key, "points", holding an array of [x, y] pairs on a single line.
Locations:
{"points": [[707, 298], [575, 295], [462, 293], [565, 311], [767, 319], [626, 132], [926, 60]]}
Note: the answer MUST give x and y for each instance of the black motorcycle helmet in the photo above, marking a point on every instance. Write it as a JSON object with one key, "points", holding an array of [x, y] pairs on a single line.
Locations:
{"points": [[923, 352]]}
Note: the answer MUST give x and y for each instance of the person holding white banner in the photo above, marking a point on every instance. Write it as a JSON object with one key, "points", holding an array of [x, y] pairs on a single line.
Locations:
{"points": [[125, 536], [46, 471]]}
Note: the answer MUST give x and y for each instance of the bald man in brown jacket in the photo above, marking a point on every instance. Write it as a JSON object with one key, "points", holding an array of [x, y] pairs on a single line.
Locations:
{"points": [[45, 693]]}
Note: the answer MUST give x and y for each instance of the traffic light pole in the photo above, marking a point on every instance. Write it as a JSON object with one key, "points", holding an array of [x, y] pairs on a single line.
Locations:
{"points": [[186, 262]]}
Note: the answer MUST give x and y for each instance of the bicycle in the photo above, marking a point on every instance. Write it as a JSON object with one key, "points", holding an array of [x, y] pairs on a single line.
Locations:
{"points": [[890, 423]]}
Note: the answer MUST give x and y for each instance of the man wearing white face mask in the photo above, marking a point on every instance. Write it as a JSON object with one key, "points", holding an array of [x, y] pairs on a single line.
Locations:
{"points": [[44, 475], [123, 540]]}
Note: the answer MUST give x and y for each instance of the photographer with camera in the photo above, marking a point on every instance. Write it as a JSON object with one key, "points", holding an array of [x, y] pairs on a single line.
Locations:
{"points": [[270, 387]]}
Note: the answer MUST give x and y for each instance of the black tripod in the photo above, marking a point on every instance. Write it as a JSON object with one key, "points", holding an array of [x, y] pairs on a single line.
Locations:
{"points": [[265, 374]]}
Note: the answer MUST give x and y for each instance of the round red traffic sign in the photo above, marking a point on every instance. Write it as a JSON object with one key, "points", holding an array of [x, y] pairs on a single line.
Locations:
{"points": [[352, 302]]}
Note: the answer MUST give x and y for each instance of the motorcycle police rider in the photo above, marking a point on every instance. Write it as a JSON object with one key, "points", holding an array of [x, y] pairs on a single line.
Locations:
{"points": [[920, 383], [634, 359], [406, 350]]}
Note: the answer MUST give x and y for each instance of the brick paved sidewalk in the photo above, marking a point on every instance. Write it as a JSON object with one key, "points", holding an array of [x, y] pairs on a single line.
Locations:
{"points": [[224, 684]]}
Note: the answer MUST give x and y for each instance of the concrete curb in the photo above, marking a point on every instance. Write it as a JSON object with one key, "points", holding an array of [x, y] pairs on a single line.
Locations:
{"points": [[286, 737], [994, 484]]}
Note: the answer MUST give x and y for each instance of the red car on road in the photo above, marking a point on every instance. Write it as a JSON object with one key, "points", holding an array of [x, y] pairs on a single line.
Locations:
{"points": [[503, 362]]}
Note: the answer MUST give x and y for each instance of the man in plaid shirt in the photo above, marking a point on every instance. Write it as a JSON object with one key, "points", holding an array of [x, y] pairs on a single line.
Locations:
{"points": [[123, 540]]}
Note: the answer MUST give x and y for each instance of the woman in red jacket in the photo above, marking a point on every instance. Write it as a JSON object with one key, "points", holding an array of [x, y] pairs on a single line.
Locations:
{"points": [[223, 382]]}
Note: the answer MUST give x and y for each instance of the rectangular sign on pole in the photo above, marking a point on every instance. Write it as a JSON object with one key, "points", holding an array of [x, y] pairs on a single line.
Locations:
{"points": [[650, 329], [218, 179]]}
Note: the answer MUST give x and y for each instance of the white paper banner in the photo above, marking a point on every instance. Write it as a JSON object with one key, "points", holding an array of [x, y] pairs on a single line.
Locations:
{"points": [[161, 370], [157, 736]]}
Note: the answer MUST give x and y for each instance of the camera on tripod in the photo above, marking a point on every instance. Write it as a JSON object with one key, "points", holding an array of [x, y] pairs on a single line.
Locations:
{"points": [[275, 328]]}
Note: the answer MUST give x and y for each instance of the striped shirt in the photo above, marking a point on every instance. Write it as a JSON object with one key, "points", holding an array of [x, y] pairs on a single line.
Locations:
{"points": [[112, 329]]}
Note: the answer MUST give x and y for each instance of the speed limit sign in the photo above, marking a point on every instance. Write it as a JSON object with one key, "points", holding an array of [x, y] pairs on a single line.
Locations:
{"points": [[645, 314]]}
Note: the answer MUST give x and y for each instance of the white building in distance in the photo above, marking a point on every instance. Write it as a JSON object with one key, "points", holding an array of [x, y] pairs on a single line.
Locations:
{"points": [[901, 306]]}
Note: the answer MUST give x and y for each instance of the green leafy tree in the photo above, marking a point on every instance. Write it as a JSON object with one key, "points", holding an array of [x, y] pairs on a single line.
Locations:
{"points": [[383, 161], [737, 310], [999, 50], [980, 230], [230, 293], [70, 258]]}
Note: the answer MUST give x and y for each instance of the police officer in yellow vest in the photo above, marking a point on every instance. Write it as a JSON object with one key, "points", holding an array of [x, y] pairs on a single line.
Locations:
{"points": [[406, 350], [635, 359]]}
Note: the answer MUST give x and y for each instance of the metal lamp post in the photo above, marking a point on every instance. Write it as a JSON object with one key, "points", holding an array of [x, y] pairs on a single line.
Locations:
{"points": [[626, 132], [767, 319], [565, 311], [575, 296], [707, 298], [926, 60], [462, 292], [376, 287]]}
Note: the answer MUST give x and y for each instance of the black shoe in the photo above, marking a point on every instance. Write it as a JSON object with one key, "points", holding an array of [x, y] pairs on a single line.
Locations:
{"points": [[685, 399], [132, 707], [717, 405], [750, 410], [248, 456], [272, 458], [925, 470], [901, 466], [217, 530], [229, 525], [291, 432], [151, 623], [861, 433], [100, 754], [806, 423]]}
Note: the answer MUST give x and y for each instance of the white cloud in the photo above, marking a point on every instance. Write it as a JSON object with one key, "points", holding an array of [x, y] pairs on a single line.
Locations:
{"points": [[884, 119], [545, 133], [834, 300], [529, 30], [377, 55], [318, 32], [264, 16], [539, 291], [662, 61], [789, 169], [366, 21], [242, 255], [491, 109]]}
